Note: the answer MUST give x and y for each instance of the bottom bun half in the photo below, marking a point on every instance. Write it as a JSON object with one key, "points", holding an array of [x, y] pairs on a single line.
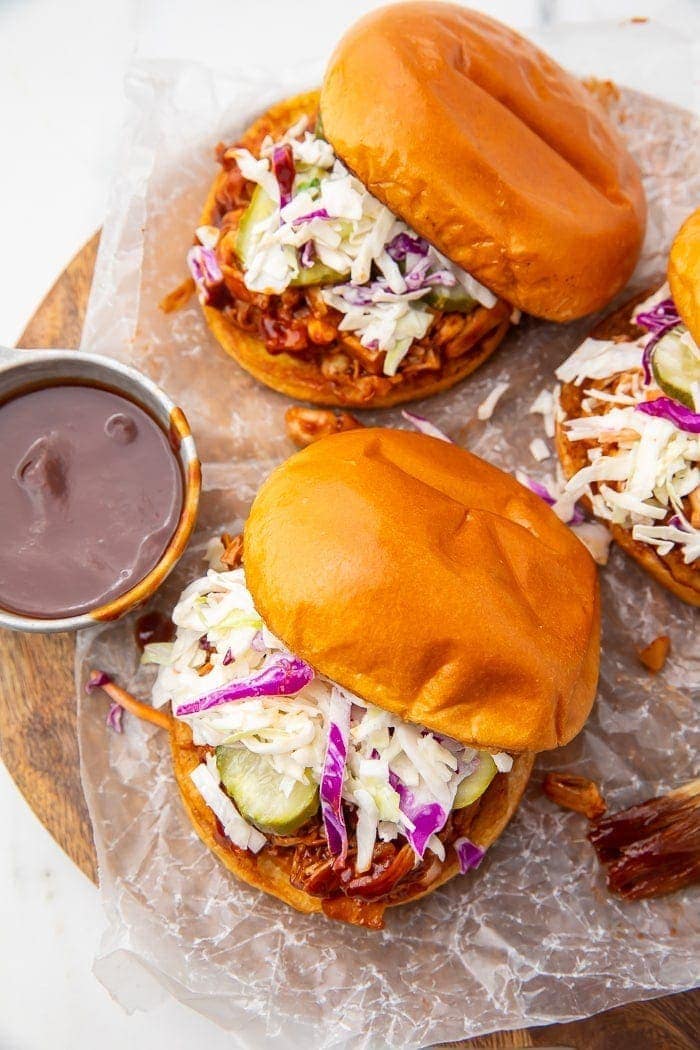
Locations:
{"points": [[482, 822], [303, 380]]}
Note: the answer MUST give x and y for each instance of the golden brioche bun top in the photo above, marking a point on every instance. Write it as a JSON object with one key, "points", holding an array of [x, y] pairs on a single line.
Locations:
{"points": [[302, 376], [430, 583], [490, 150], [684, 273]]}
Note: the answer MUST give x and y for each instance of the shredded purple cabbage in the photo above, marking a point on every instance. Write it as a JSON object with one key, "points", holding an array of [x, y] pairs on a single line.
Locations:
{"points": [[646, 359], [319, 213], [469, 854], [114, 717], [281, 676], [676, 413], [206, 272], [658, 320], [116, 711], [427, 817], [258, 642], [307, 255], [543, 492], [662, 316], [355, 295], [646, 354], [228, 658], [425, 426], [465, 769], [415, 278], [403, 244], [540, 490], [96, 681], [677, 523], [441, 277], [283, 169], [331, 787]]}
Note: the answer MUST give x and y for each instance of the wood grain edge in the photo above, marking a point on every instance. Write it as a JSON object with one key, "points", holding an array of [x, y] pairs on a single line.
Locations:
{"points": [[671, 1022], [38, 728], [38, 738], [58, 322]]}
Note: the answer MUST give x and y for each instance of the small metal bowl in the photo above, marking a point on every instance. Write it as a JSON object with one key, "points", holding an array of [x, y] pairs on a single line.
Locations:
{"points": [[22, 370]]}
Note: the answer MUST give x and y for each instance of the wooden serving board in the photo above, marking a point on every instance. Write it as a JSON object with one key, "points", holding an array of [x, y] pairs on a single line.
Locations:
{"points": [[38, 744]]}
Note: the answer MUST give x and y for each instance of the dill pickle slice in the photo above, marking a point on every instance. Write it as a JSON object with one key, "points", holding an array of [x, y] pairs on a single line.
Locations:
{"points": [[255, 787], [319, 273], [451, 300], [676, 368], [260, 208], [473, 786], [310, 178]]}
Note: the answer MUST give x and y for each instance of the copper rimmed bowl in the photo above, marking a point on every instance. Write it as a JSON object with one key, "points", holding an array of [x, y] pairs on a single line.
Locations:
{"points": [[21, 370]]}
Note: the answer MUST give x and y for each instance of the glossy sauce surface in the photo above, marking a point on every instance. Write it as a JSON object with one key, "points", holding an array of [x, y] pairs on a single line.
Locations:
{"points": [[153, 626], [90, 496]]}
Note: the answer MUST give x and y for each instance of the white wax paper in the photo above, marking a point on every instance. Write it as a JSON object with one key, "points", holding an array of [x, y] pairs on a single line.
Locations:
{"points": [[532, 937]]}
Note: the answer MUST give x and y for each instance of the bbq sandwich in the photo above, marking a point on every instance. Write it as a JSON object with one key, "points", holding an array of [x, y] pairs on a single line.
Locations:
{"points": [[371, 244], [628, 427], [356, 706]]}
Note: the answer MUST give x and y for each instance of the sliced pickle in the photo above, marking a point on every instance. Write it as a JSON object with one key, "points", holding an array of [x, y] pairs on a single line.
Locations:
{"points": [[473, 786], [451, 300], [319, 273], [254, 786], [310, 178], [261, 207], [676, 368]]}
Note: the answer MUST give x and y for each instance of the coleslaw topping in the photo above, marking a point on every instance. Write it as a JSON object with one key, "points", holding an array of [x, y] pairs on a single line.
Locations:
{"points": [[381, 271], [395, 777], [643, 469]]}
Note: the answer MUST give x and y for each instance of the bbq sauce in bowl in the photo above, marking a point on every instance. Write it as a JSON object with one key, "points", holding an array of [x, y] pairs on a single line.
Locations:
{"points": [[90, 496]]}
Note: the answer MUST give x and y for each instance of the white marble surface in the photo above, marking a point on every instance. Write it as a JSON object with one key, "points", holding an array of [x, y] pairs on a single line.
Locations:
{"points": [[61, 67]]}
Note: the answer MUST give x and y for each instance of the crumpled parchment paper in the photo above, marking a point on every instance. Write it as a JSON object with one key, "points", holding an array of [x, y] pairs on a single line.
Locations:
{"points": [[533, 936]]}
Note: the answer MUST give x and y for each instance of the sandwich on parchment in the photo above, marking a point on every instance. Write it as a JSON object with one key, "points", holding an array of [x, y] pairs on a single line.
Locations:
{"points": [[628, 426], [371, 244], [356, 706]]}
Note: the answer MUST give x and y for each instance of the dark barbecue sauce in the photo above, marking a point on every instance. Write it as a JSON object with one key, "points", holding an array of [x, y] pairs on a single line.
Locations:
{"points": [[153, 626], [90, 496]]}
